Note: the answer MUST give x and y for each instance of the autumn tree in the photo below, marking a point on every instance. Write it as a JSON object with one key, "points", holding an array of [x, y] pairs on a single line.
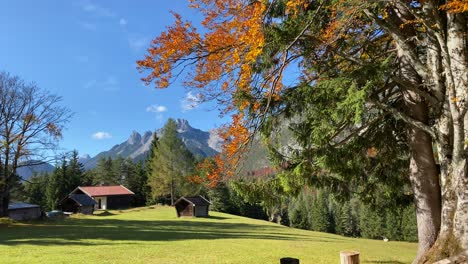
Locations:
{"points": [[378, 84], [31, 122]]}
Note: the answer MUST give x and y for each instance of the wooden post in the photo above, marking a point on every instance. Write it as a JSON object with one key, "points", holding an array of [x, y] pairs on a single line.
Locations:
{"points": [[349, 257], [289, 261]]}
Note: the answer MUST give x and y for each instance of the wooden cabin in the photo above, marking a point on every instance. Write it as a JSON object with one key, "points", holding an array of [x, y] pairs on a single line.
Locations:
{"points": [[196, 206], [78, 203], [107, 197], [23, 211]]}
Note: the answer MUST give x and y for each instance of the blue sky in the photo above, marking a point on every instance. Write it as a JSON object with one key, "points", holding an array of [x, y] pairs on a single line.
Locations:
{"points": [[85, 51]]}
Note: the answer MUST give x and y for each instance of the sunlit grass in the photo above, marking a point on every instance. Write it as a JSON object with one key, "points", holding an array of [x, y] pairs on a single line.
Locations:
{"points": [[145, 235]]}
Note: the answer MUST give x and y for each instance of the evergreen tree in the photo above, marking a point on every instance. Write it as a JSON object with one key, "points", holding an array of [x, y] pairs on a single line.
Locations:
{"points": [[171, 164], [220, 199], [137, 183], [121, 169], [409, 225], [75, 172], [345, 220], [393, 223], [371, 223], [57, 185], [35, 189], [300, 210], [320, 217], [104, 173]]}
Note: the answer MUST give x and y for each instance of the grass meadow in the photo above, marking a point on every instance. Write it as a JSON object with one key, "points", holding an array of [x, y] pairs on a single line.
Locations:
{"points": [[156, 235]]}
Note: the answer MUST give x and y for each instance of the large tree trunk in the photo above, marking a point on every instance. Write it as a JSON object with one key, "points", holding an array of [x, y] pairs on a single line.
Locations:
{"points": [[424, 174], [453, 237], [424, 177]]}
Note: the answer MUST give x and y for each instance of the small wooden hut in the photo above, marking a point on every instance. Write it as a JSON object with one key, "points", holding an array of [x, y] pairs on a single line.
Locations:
{"points": [[78, 203], [23, 211], [192, 206], [106, 197]]}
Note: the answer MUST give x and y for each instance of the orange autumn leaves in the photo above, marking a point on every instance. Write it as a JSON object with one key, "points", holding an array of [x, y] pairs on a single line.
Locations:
{"points": [[221, 60], [456, 6], [177, 42]]}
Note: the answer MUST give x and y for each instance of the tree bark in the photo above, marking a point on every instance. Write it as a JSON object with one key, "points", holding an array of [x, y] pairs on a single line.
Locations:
{"points": [[424, 174], [424, 179], [453, 237], [4, 200]]}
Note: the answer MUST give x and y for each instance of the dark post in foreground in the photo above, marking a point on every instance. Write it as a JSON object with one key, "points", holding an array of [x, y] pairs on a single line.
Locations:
{"points": [[349, 257], [289, 261]]}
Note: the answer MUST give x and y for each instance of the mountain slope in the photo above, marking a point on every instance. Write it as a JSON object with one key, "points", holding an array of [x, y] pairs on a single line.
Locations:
{"points": [[137, 146], [26, 171]]}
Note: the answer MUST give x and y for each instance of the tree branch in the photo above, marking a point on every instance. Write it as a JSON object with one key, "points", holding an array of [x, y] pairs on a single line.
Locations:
{"points": [[399, 115]]}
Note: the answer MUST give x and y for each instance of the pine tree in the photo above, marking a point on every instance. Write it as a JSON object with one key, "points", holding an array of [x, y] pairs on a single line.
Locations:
{"points": [[35, 189], [371, 223], [104, 173], [57, 185], [137, 182], [75, 172], [320, 216], [171, 164]]}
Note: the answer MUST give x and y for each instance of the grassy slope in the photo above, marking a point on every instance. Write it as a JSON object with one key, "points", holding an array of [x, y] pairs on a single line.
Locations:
{"points": [[156, 236]]}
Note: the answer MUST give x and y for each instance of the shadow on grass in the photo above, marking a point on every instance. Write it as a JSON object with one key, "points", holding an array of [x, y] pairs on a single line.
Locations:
{"points": [[385, 262], [217, 217], [80, 231], [105, 213]]}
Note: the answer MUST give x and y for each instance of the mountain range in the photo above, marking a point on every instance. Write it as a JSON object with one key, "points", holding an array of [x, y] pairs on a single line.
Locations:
{"points": [[137, 146]]}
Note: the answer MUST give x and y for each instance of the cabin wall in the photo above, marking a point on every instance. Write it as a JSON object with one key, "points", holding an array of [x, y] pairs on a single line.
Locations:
{"points": [[101, 202], [25, 213], [201, 210], [118, 201], [184, 209], [69, 206], [87, 209]]}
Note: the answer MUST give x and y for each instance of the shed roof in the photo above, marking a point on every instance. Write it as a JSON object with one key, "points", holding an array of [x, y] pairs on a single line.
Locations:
{"points": [[82, 199], [105, 190], [21, 205], [195, 200]]}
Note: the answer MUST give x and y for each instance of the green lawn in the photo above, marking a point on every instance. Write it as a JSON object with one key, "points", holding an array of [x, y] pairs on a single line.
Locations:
{"points": [[156, 235]]}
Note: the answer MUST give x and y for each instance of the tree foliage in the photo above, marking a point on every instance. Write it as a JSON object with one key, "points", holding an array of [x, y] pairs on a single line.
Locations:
{"points": [[170, 165], [381, 83], [31, 122]]}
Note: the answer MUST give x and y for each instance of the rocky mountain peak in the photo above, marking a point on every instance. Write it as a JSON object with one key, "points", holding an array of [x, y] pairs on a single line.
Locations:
{"points": [[182, 125], [146, 136], [134, 138]]}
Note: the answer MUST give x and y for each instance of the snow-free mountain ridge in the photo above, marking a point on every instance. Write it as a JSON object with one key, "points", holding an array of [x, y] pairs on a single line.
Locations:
{"points": [[137, 146]]}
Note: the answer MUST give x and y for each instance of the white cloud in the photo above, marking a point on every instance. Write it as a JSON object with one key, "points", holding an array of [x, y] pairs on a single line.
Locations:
{"points": [[90, 84], [156, 109], [123, 22], [111, 83], [97, 10], [88, 26], [191, 101], [101, 135], [137, 43]]}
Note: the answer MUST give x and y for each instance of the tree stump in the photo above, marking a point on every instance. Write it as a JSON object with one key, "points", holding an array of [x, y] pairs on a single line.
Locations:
{"points": [[349, 257], [289, 261]]}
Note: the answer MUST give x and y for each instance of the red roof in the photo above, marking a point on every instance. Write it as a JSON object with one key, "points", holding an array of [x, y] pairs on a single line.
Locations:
{"points": [[105, 190]]}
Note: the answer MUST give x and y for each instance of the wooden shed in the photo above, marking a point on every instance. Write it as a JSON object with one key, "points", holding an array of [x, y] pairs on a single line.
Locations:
{"points": [[78, 203], [192, 206], [23, 211], [107, 197]]}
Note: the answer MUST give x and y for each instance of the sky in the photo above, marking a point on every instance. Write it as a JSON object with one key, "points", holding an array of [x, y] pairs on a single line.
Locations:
{"points": [[85, 52]]}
